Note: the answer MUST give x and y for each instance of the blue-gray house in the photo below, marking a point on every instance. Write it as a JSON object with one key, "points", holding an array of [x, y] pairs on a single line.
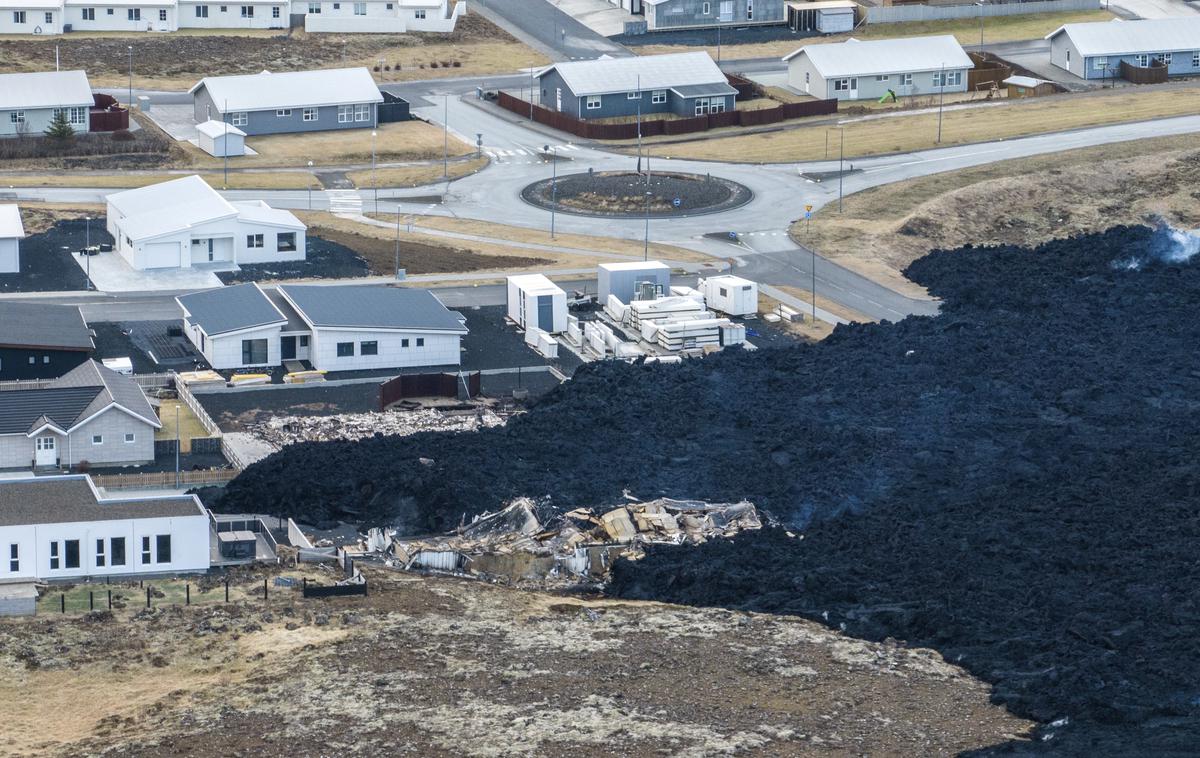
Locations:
{"points": [[295, 101], [686, 84], [1096, 50]]}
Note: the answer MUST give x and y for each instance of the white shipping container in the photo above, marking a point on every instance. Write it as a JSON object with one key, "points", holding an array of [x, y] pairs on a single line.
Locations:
{"points": [[535, 301], [732, 295]]}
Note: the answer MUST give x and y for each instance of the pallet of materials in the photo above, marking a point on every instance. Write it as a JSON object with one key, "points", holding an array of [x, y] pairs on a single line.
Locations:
{"points": [[690, 335], [663, 309]]}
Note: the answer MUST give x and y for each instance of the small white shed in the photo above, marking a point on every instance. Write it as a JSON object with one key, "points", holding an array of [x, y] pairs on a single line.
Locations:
{"points": [[11, 233], [536, 302], [220, 139], [731, 295]]}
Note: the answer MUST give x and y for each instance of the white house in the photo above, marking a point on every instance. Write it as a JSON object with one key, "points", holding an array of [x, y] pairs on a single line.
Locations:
{"points": [[89, 414], [11, 234], [535, 301], [219, 139], [29, 101], [122, 15], [184, 222], [332, 328], [869, 70], [31, 16], [244, 14], [380, 16], [61, 528]]}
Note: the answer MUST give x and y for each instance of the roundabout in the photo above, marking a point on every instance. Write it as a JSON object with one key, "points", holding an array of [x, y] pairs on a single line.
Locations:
{"points": [[629, 194]]}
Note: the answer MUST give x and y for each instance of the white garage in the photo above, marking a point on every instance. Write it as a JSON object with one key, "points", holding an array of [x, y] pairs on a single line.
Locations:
{"points": [[11, 232], [161, 254]]}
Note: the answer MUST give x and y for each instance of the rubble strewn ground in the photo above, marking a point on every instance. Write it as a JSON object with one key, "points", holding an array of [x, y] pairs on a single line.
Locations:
{"points": [[1012, 481], [288, 430], [440, 667]]}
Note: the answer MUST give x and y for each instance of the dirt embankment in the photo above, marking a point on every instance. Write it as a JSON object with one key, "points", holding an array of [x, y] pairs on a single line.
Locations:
{"points": [[452, 667]]}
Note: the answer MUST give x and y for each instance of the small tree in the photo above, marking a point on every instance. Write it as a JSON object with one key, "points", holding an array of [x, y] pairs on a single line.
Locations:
{"points": [[60, 129]]}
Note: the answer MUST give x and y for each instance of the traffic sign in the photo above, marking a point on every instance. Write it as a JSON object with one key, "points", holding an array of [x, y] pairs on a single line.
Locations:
{"points": [[808, 208], [807, 215], [677, 202]]}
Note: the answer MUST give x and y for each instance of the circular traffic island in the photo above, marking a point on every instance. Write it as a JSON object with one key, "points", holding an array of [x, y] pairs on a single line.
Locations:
{"points": [[629, 194]]}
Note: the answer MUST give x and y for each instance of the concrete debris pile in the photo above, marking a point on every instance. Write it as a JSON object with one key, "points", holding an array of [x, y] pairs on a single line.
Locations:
{"points": [[281, 431], [530, 541]]}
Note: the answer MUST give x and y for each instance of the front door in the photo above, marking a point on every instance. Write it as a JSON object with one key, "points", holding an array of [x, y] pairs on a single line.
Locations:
{"points": [[47, 454], [287, 348], [210, 248]]}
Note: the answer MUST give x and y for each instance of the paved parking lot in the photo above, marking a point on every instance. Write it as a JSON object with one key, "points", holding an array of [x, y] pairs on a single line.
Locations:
{"points": [[175, 119]]}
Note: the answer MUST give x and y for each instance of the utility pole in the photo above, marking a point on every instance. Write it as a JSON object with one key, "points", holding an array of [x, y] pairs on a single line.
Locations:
{"points": [[553, 184], [176, 444], [639, 123], [718, 42], [941, 100], [374, 184], [397, 269], [225, 145], [311, 177], [980, 4], [813, 250], [130, 104], [446, 136], [87, 248], [646, 243], [531, 92]]}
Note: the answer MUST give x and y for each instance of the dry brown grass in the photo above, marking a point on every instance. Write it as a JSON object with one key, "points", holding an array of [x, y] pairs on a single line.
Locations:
{"points": [[105, 180], [897, 134], [415, 176], [1022, 202], [37, 217]]}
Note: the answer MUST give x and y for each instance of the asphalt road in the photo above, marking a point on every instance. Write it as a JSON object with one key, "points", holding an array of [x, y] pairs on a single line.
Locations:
{"points": [[548, 28]]}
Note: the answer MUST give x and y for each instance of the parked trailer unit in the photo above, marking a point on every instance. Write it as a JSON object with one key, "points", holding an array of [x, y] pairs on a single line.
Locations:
{"points": [[732, 295], [623, 279], [536, 302]]}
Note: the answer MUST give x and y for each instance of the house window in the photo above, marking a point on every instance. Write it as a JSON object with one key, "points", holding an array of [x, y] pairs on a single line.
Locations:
{"points": [[116, 551], [633, 95], [388, 6], [283, 113], [419, 13], [240, 118], [275, 11], [45, 359], [362, 112], [88, 14], [99, 553], [314, 7], [254, 240], [360, 9], [337, 6], [18, 17], [304, 340], [133, 14], [1100, 63], [54, 556], [658, 96], [706, 9], [749, 10], [130, 438], [224, 8], [49, 18], [97, 439], [404, 342], [1141, 60], [368, 348], [145, 549], [162, 14], [17, 117], [162, 548], [247, 11], [1196, 59], [309, 114], [14, 557], [420, 342], [947, 79], [1068, 57], [110, 11], [345, 114], [593, 102], [906, 80], [32, 360], [285, 242], [201, 11], [883, 78], [345, 349], [71, 554], [845, 85], [1165, 58], [254, 352]]}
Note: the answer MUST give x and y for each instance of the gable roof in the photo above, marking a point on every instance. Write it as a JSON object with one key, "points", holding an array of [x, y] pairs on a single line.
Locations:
{"points": [[169, 206], [371, 307], [1116, 37], [230, 309], [10, 222], [885, 56], [65, 499], [647, 72], [213, 128], [45, 89], [57, 327], [261, 213], [290, 89], [76, 396]]}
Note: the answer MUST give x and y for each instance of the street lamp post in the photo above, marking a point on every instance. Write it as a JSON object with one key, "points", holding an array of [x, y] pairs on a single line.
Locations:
{"points": [[397, 269], [941, 100], [311, 177], [87, 248], [980, 4], [374, 184], [531, 92], [176, 444], [553, 183], [646, 241], [446, 137], [841, 164], [130, 104]]}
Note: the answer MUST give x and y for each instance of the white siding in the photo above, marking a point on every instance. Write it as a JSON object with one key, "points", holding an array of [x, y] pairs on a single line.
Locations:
{"points": [[232, 17], [225, 350], [10, 256], [189, 547], [35, 20], [16, 451], [118, 20], [36, 120], [111, 426], [438, 350], [139, 253]]}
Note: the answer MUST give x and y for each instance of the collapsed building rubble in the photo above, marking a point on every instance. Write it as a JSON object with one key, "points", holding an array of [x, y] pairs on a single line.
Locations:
{"points": [[531, 541], [281, 431]]}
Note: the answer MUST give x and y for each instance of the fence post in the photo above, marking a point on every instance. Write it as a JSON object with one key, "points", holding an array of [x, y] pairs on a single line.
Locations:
{"points": [[91, 600], [264, 589], [226, 590], [62, 602], [147, 597], [187, 594], [110, 600]]}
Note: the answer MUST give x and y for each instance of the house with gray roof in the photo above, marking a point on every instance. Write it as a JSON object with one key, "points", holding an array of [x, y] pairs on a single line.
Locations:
{"points": [[685, 84], [90, 414], [290, 101], [28, 101], [327, 328], [41, 341], [58, 528], [870, 69], [1097, 50], [662, 15]]}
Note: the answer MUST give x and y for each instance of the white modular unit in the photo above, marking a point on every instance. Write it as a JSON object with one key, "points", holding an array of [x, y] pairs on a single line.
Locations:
{"points": [[536, 302], [732, 295], [220, 139], [664, 309], [355, 350], [623, 279]]}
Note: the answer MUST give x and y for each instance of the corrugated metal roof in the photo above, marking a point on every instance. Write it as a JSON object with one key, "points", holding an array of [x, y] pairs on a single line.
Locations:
{"points": [[65, 499], [229, 309], [10, 222], [261, 213], [44, 89], [648, 72], [214, 129], [291, 89], [886, 56], [24, 324], [1117, 37], [167, 207], [370, 307]]}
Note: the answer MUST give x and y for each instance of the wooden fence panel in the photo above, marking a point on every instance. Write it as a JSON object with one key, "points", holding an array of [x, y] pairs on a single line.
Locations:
{"points": [[156, 479]]}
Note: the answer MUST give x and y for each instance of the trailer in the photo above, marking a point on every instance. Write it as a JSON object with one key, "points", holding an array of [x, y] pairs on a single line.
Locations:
{"points": [[731, 295], [536, 302]]}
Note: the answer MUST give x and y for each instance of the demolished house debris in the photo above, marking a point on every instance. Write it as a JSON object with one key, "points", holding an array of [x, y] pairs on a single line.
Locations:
{"points": [[281, 431], [530, 541]]}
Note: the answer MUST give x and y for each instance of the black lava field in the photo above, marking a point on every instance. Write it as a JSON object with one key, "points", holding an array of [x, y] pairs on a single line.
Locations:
{"points": [[1015, 482]]}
